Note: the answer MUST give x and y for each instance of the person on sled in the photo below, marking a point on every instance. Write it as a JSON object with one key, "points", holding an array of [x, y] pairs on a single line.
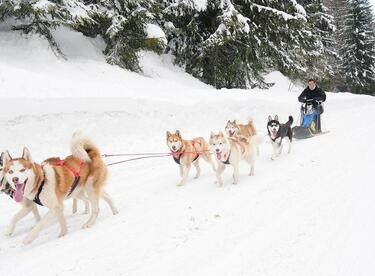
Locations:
{"points": [[312, 97]]}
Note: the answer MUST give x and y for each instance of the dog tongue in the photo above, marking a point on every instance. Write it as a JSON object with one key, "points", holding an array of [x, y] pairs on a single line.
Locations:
{"points": [[218, 155], [18, 196]]}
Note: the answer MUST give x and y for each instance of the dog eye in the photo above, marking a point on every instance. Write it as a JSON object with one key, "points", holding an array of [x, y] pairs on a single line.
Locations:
{"points": [[10, 171], [22, 170]]}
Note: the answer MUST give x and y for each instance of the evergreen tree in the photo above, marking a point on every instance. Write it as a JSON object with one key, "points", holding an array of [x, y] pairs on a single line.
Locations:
{"points": [[358, 51], [122, 24], [225, 43], [232, 43], [36, 17], [278, 28], [323, 54], [339, 9]]}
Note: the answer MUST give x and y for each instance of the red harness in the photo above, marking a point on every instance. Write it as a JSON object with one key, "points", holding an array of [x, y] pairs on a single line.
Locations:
{"points": [[177, 155], [77, 176], [62, 164]]}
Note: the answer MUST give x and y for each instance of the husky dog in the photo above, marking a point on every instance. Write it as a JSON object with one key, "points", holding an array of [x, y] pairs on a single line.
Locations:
{"points": [[187, 152], [277, 133], [6, 188], [51, 183], [233, 129], [230, 151]]}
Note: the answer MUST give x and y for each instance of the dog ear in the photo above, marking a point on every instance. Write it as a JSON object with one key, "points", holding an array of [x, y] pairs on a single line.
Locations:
{"points": [[212, 134], [178, 133], [269, 118], [276, 118], [221, 133], [5, 158], [168, 134], [26, 154], [235, 122]]}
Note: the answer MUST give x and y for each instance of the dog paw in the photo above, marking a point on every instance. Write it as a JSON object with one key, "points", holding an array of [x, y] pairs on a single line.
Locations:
{"points": [[29, 239], [62, 234], [8, 232], [87, 225]]}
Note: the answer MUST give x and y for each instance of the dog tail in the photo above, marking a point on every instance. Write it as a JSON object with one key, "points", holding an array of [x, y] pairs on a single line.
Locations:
{"points": [[83, 148], [250, 123], [290, 121]]}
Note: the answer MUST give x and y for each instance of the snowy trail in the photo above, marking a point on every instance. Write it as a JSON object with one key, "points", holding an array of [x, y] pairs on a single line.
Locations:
{"points": [[282, 221]]}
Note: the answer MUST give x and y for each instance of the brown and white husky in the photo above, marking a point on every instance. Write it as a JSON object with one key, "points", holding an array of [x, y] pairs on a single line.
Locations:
{"points": [[6, 188], [82, 173], [233, 129], [230, 151], [187, 152]]}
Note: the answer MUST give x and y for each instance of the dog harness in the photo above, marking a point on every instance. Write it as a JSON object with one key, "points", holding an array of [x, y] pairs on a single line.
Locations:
{"points": [[277, 137], [177, 156], [226, 162], [77, 176], [37, 199]]}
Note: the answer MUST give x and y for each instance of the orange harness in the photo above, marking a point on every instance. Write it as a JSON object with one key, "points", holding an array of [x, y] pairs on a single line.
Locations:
{"points": [[177, 156], [77, 176]]}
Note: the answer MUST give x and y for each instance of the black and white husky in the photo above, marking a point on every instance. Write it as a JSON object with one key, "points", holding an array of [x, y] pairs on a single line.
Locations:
{"points": [[278, 133]]}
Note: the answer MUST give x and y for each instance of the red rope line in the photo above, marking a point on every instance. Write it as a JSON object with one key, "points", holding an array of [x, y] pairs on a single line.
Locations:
{"points": [[151, 153], [138, 158]]}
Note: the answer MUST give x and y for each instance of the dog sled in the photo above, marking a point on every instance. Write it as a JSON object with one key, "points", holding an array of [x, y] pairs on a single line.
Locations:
{"points": [[310, 121]]}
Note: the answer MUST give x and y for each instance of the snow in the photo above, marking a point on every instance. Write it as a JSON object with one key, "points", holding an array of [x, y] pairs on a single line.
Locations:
{"points": [[307, 213], [43, 4], [154, 31], [286, 16], [76, 9], [200, 5]]}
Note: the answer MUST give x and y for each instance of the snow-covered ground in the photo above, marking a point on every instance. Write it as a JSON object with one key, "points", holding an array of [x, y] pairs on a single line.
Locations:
{"points": [[307, 213]]}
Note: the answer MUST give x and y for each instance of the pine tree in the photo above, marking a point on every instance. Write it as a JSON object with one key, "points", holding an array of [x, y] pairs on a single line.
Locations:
{"points": [[322, 55], [278, 28], [123, 29], [339, 9], [34, 17], [358, 51], [225, 43], [122, 24], [232, 43]]}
